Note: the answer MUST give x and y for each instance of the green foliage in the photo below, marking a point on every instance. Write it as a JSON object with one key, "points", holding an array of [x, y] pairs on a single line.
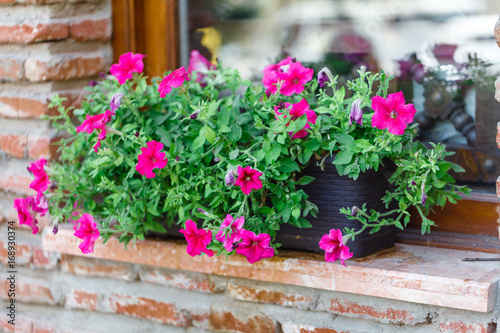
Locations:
{"points": [[236, 125]]}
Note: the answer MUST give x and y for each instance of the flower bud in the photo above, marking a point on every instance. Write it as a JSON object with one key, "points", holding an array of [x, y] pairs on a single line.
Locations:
{"points": [[229, 178], [356, 113], [423, 198], [324, 76], [55, 229], [136, 134], [116, 100], [177, 158], [92, 83], [354, 212], [194, 115], [200, 210], [217, 159]]}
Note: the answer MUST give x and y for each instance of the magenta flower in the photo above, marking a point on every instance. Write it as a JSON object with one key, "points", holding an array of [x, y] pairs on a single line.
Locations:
{"points": [[356, 114], [199, 64], [248, 179], [296, 111], [272, 73], [333, 244], [255, 247], [98, 123], [197, 239], [392, 113], [233, 235], [41, 181], [87, 232], [295, 78], [115, 102], [25, 212], [128, 64], [151, 158], [173, 80]]}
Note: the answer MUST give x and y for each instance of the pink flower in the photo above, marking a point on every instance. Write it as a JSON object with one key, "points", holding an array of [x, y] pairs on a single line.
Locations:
{"points": [[151, 158], [25, 212], [297, 110], [98, 123], [392, 113], [233, 235], [41, 181], [248, 179], [87, 232], [255, 247], [272, 73], [40, 204], [197, 239], [173, 80], [334, 246], [128, 63], [295, 78], [199, 64]]}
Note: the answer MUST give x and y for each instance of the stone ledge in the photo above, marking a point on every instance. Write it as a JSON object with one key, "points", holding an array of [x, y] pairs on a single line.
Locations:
{"points": [[409, 273]]}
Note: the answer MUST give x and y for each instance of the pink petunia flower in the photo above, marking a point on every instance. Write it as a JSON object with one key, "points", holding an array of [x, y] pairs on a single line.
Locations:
{"points": [[128, 64], [199, 64], [25, 212], [41, 181], [296, 111], [151, 158], [333, 244], [294, 79], [173, 80], [272, 73], [255, 247], [197, 239], [87, 232], [40, 204], [98, 123], [233, 235], [248, 179], [392, 113]]}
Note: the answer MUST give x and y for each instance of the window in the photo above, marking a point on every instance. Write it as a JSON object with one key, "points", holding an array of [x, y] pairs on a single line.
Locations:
{"points": [[345, 35]]}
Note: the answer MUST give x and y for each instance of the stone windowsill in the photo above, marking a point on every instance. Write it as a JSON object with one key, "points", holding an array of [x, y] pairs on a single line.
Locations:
{"points": [[409, 273]]}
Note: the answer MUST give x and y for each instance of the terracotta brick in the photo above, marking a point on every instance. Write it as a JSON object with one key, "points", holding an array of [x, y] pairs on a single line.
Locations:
{"points": [[461, 327], [23, 107], [252, 323], [21, 326], [11, 69], [22, 253], [91, 30], [14, 144], [289, 327], [82, 300], [64, 67], [387, 315], [43, 259], [7, 1], [252, 294], [29, 33], [97, 268], [178, 279], [16, 183], [29, 290], [150, 309], [41, 145]]}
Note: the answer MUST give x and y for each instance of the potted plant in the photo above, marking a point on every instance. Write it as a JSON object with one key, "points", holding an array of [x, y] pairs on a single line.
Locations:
{"points": [[224, 157]]}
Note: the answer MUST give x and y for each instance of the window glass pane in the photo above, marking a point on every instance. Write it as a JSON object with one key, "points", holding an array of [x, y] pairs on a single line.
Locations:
{"points": [[442, 48]]}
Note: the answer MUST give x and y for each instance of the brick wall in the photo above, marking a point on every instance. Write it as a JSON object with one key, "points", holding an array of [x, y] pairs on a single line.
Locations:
{"points": [[57, 46]]}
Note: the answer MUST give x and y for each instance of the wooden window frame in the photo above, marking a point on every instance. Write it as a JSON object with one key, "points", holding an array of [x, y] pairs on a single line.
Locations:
{"points": [[152, 27]]}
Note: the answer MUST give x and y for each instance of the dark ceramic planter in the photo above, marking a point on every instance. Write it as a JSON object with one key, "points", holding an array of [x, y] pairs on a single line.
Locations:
{"points": [[330, 191]]}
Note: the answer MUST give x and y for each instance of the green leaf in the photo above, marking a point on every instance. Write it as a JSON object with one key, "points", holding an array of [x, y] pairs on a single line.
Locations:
{"points": [[457, 168], [223, 118], [287, 165], [234, 154], [344, 157], [213, 108], [235, 133], [273, 154], [118, 161], [344, 139], [198, 142], [296, 212], [305, 180], [127, 128], [286, 213], [210, 134]]}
